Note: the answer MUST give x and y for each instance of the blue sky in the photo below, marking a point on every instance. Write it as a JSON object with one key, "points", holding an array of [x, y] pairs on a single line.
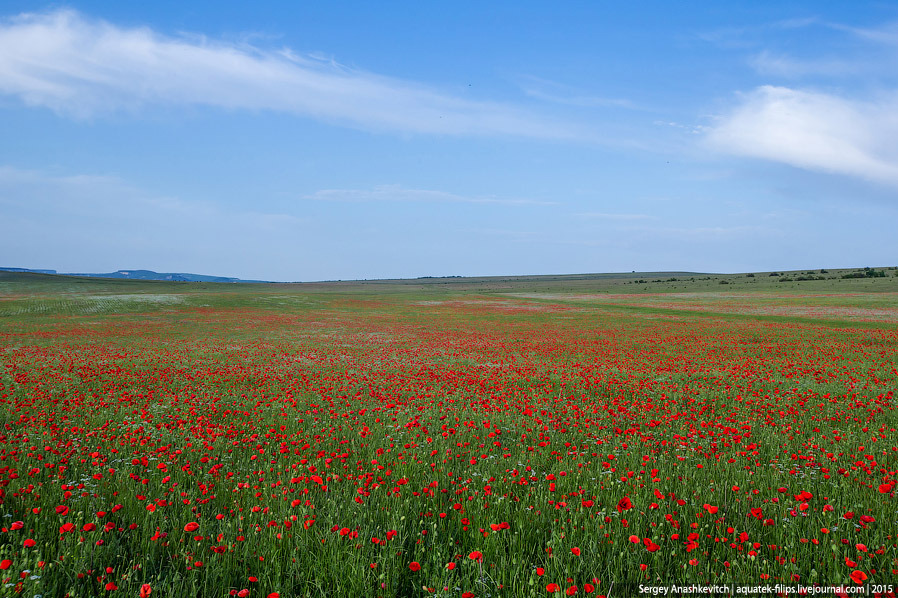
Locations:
{"points": [[343, 140]]}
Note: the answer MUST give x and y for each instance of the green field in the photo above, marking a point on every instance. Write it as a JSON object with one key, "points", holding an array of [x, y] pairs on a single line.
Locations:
{"points": [[506, 436]]}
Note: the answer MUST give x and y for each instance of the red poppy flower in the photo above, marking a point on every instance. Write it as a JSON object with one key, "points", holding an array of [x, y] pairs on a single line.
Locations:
{"points": [[62, 510], [476, 555], [552, 587], [710, 508], [192, 526], [624, 504], [5, 564], [576, 551], [885, 488], [414, 565], [858, 576], [145, 590]]}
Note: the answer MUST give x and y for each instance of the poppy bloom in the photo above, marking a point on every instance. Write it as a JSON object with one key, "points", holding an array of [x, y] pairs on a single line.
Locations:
{"points": [[624, 504], [111, 587], [576, 551], [552, 587], [145, 590], [414, 565], [858, 576], [476, 555], [62, 510], [450, 566], [192, 526], [885, 488], [710, 508], [5, 564]]}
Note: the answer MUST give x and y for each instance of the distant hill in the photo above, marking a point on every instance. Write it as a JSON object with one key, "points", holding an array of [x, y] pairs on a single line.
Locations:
{"points": [[141, 275], [28, 270]]}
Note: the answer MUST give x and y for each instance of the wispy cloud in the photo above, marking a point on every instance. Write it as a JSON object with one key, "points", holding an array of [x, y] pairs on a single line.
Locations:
{"points": [[815, 131], [782, 65], [551, 91], [750, 35], [82, 68], [383, 193], [612, 216], [886, 34]]}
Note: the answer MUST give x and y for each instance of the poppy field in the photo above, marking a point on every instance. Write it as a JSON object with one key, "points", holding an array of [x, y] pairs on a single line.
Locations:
{"points": [[299, 441]]}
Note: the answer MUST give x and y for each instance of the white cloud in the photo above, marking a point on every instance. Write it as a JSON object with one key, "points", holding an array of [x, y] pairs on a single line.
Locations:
{"points": [[400, 193], [814, 131], [83, 68]]}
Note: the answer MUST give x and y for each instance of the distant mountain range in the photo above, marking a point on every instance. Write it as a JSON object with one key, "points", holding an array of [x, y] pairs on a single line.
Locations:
{"points": [[140, 275]]}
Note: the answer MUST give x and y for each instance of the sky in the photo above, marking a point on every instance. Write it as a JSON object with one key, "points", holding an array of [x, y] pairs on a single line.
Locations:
{"points": [[301, 141]]}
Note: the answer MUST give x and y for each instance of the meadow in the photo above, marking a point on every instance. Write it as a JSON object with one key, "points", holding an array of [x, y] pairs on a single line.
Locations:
{"points": [[517, 436]]}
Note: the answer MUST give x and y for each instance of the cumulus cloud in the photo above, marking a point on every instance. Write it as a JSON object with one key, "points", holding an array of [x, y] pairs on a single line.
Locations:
{"points": [[814, 131], [83, 68]]}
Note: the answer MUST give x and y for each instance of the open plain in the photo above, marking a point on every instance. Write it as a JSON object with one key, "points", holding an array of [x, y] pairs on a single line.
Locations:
{"points": [[519, 436]]}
